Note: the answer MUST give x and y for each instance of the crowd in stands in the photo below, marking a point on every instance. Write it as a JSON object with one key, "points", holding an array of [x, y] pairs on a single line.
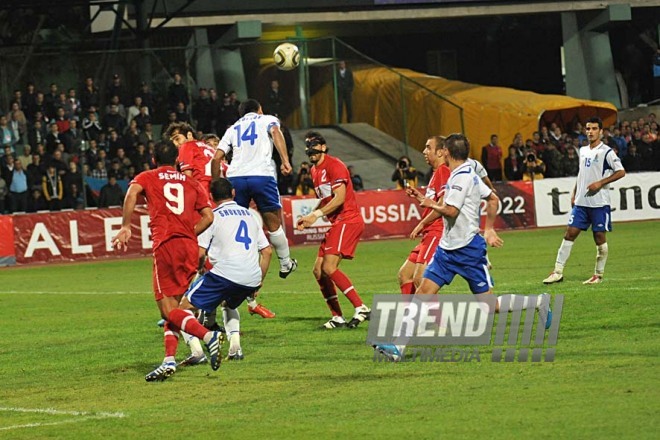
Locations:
{"points": [[53, 143]]}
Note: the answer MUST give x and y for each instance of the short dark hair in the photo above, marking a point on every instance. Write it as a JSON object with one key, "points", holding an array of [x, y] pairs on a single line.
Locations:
{"points": [[210, 136], [248, 106], [314, 138], [166, 153], [182, 127], [595, 120], [458, 146], [440, 141], [221, 189]]}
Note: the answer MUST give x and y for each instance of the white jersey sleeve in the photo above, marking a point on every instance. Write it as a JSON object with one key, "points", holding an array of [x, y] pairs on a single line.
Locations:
{"points": [[262, 241], [252, 145], [464, 192], [478, 168], [204, 239]]}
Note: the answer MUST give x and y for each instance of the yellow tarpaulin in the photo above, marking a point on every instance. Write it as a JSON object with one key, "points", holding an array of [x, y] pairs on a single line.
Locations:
{"points": [[377, 100]]}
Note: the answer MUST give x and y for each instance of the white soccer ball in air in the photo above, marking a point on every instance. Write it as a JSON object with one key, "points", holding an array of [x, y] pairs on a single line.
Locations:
{"points": [[286, 56]]}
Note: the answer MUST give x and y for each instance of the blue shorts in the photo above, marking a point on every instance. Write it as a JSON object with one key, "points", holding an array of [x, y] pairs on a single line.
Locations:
{"points": [[469, 262], [261, 189], [598, 218], [210, 290]]}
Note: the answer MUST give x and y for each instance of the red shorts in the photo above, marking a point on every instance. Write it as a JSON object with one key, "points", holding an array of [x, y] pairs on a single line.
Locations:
{"points": [[423, 252], [175, 265], [341, 239]]}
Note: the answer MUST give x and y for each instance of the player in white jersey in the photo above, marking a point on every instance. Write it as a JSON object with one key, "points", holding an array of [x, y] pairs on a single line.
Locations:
{"points": [[599, 166], [252, 172], [462, 250], [240, 253]]}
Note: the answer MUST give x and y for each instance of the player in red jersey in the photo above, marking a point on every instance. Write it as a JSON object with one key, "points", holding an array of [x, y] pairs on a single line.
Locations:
{"points": [[213, 141], [332, 183], [195, 160], [175, 203], [431, 225]]}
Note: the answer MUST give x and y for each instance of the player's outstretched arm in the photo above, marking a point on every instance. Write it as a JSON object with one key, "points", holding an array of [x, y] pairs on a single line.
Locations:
{"points": [[130, 200], [215, 164], [490, 235], [280, 145], [264, 261]]}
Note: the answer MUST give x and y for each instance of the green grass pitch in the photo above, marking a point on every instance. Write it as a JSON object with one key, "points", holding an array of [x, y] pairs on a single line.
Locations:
{"points": [[77, 339]]}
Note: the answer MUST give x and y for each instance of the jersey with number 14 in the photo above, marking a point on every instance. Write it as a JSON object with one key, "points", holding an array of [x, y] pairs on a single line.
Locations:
{"points": [[249, 139], [173, 201], [196, 156]]}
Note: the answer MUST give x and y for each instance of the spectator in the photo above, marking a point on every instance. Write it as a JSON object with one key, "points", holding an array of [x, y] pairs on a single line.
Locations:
{"points": [[358, 185], [113, 120], [512, 168], [35, 171], [537, 143], [36, 133], [73, 176], [58, 163], [111, 194], [553, 161], [89, 95], [115, 88], [72, 106], [556, 137], [147, 134], [646, 149], [182, 113], [519, 145], [233, 99], [50, 101], [275, 103], [121, 109], [30, 102], [304, 183], [53, 138], [405, 175], [36, 202], [143, 118], [73, 138], [41, 110], [103, 157], [61, 103], [52, 188], [345, 84], [18, 188], [100, 171], [177, 93], [171, 119], [620, 142], [533, 167], [571, 163], [116, 170], [18, 120], [62, 121], [4, 192], [115, 142], [203, 112], [131, 137], [91, 126], [26, 157], [227, 115], [75, 199], [141, 156], [134, 110], [148, 98], [491, 158], [7, 168], [7, 136], [632, 163]]}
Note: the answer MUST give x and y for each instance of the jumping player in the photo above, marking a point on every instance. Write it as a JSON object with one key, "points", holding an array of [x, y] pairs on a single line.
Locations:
{"points": [[332, 183]]}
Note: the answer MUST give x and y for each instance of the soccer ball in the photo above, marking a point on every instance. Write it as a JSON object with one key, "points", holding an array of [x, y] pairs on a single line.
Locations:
{"points": [[286, 56]]}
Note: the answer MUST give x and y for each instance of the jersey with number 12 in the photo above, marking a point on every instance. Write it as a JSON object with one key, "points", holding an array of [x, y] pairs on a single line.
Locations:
{"points": [[173, 202], [252, 146]]}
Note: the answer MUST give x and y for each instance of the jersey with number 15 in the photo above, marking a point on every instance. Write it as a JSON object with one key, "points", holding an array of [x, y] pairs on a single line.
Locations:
{"points": [[173, 201], [250, 140]]}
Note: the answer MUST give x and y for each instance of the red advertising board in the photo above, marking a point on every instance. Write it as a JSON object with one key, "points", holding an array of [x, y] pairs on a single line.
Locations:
{"points": [[83, 235], [77, 235]]}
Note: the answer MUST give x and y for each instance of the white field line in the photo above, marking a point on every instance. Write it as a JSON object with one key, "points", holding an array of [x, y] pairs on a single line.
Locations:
{"points": [[80, 416]]}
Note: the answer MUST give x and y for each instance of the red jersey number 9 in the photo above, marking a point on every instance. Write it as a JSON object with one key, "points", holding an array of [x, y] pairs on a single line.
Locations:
{"points": [[173, 192]]}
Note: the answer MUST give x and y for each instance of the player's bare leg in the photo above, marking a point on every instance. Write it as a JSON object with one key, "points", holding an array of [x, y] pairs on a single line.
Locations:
{"points": [[557, 275], [418, 276], [279, 241], [600, 238], [330, 269], [406, 277]]}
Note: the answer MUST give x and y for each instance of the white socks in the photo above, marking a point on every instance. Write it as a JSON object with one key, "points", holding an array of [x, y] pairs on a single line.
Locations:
{"points": [[601, 258], [232, 321], [281, 245], [193, 343], [251, 302], [562, 255], [516, 302]]}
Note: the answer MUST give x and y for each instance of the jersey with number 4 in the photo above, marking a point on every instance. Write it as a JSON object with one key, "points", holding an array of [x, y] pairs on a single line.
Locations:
{"points": [[173, 201], [595, 164], [233, 243], [250, 141], [196, 156]]}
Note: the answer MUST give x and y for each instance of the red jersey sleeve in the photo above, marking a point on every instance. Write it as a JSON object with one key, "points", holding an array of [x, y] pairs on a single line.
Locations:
{"points": [[141, 179], [202, 199], [186, 158], [338, 174]]}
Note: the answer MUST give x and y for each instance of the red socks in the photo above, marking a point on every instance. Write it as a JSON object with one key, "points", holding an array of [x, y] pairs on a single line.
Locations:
{"points": [[345, 285], [185, 320], [171, 338], [408, 288], [330, 294]]}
